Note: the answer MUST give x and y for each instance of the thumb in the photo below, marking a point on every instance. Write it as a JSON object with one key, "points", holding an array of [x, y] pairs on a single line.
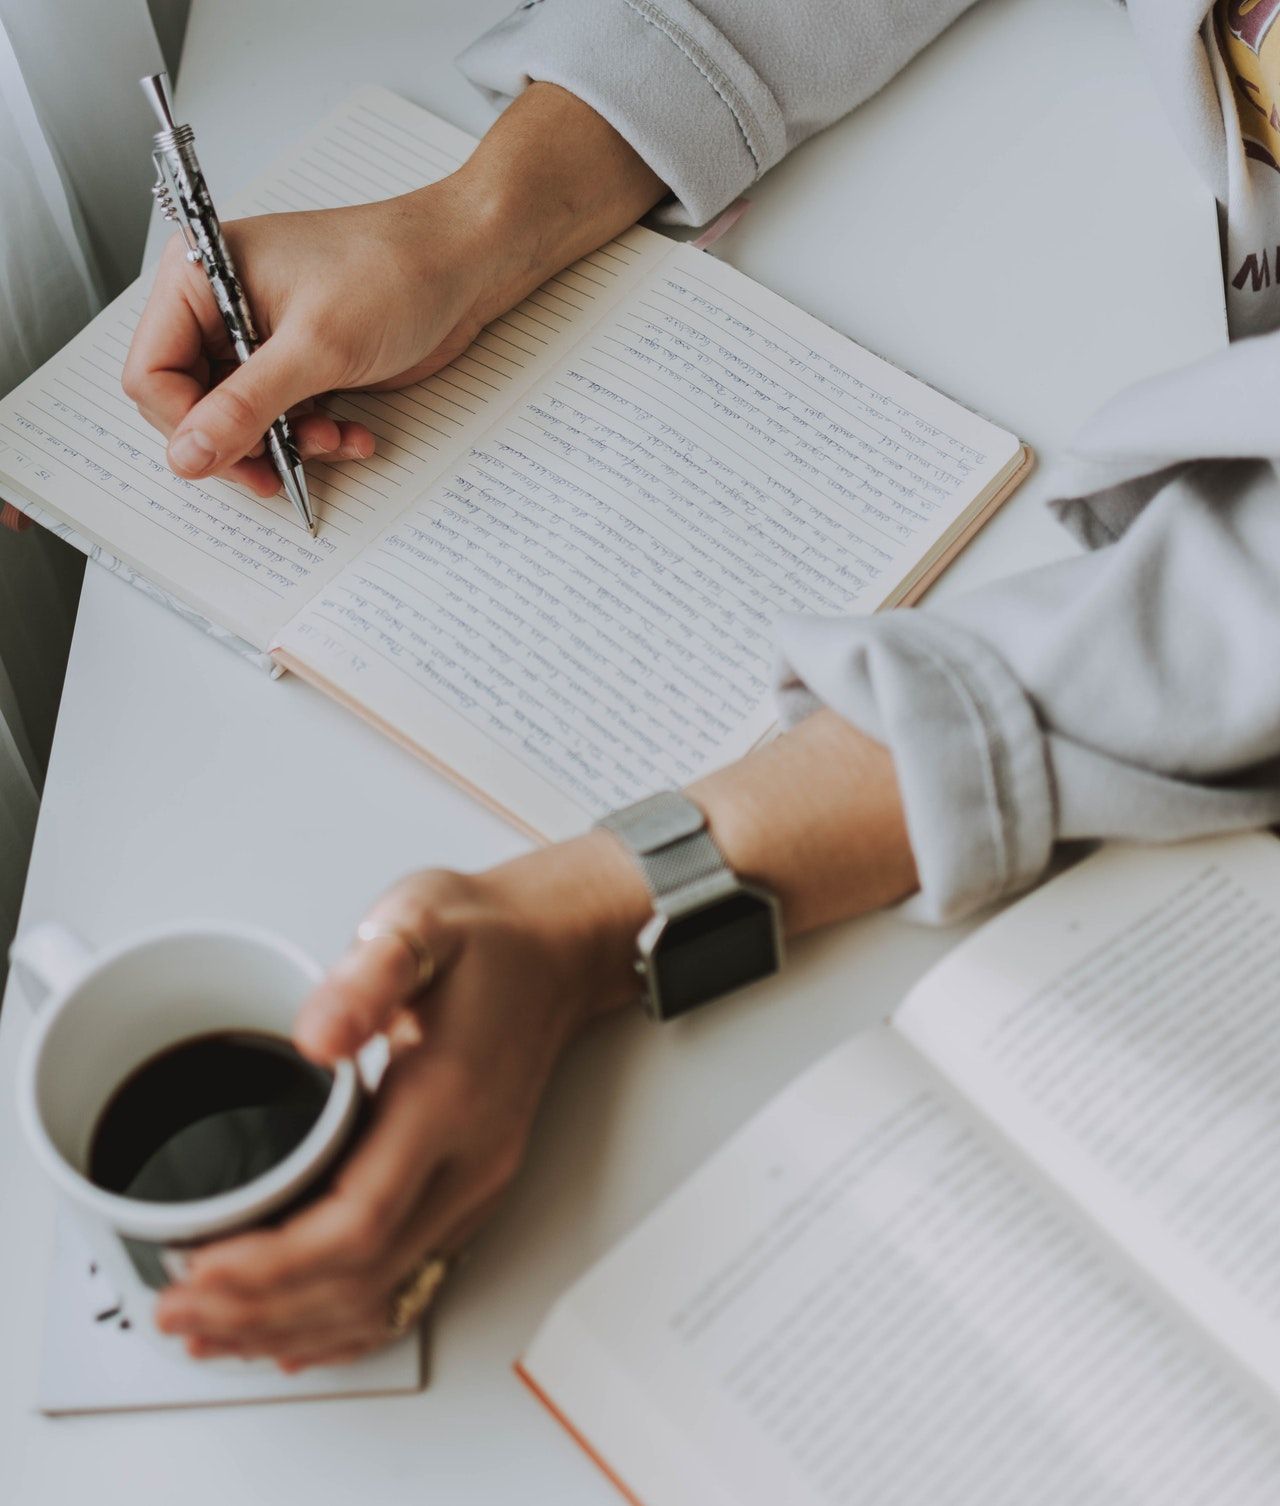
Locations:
{"points": [[231, 419]]}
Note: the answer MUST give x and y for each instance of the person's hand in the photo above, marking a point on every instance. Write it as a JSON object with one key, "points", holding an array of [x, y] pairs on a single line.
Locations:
{"points": [[12, 519], [523, 955], [376, 295]]}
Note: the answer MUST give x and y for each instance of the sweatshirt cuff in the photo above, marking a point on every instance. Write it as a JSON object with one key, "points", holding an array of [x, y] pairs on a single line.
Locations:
{"points": [[660, 73], [971, 760]]}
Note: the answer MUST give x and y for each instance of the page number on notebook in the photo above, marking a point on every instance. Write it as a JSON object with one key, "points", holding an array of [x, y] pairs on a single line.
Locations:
{"points": [[23, 461], [332, 645]]}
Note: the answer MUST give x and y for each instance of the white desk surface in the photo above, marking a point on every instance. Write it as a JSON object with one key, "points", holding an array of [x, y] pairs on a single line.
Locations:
{"points": [[1028, 248]]}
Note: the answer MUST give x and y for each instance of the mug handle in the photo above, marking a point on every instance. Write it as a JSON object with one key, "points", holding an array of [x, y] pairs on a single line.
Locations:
{"points": [[48, 960]]}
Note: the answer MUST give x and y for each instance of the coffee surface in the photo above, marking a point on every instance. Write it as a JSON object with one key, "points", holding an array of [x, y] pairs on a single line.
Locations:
{"points": [[206, 1116]]}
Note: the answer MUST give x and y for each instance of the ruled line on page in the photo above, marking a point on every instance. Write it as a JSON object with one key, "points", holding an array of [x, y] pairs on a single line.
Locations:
{"points": [[592, 589]]}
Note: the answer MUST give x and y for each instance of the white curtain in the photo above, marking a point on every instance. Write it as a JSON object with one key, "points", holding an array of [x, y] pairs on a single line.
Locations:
{"points": [[74, 173]]}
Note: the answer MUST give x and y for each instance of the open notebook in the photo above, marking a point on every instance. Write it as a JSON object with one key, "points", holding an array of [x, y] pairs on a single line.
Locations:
{"points": [[559, 573], [1019, 1245]]}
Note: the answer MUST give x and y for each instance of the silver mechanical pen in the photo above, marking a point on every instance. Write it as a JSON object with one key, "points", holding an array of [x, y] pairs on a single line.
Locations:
{"points": [[183, 196]]}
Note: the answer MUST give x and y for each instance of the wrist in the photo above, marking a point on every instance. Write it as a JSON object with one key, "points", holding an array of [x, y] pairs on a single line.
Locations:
{"points": [[550, 182], [456, 246], [587, 901], [815, 817]]}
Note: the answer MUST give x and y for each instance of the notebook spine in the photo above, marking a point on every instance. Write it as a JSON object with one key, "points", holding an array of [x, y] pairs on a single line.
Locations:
{"points": [[117, 567]]}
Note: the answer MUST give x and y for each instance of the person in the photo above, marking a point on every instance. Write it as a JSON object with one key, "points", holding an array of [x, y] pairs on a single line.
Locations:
{"points": [[934, 758]]}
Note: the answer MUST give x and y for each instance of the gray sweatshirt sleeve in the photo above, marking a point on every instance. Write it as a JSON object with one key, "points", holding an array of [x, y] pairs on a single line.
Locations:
{"points": [[711, 94], [1132, 691]]}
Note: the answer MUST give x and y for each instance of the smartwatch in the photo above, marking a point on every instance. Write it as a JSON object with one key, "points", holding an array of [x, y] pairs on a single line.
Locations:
{"points": [[711, 932]]}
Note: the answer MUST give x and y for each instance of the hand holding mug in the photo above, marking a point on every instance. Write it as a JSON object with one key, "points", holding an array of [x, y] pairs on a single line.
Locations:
{"points": [[519, 958], [118, 1147]]}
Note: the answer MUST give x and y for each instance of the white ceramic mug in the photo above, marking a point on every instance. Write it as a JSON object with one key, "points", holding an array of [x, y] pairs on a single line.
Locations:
{"points": [[97, 1018]]}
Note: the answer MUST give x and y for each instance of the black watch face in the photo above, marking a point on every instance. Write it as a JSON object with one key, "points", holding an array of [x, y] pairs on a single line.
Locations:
{"points": [[714, 951]]}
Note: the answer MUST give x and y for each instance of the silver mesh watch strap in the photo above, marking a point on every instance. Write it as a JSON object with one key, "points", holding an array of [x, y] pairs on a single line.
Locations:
{"points": [[711, 932], [668, 835]]}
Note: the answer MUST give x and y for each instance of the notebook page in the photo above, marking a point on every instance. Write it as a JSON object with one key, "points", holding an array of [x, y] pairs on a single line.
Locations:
{"points": [[379, 145], [582, 610], [72, 441], [1121, 1025], [864, 1298]]}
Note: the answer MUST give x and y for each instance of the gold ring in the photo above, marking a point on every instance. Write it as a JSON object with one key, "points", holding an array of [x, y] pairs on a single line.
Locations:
{"points": [[374, 930], [416, 1292]]}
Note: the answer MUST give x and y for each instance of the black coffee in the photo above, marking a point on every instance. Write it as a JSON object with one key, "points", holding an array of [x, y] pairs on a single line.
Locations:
{"points": [[206, 1116]]}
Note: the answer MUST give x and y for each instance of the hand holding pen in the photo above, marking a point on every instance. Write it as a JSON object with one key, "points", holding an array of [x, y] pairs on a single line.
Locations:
{"points": [[183, 196], [190, 382], [374, 296]]}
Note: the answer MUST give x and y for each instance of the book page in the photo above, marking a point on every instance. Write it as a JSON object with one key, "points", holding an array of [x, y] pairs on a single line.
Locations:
{"points": [[1121, 1026], [72, 441], [582, 610], [863, 1297]]}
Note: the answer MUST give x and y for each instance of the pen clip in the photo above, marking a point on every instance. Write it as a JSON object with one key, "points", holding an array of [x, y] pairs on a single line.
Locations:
{"points": [[163, 190]]}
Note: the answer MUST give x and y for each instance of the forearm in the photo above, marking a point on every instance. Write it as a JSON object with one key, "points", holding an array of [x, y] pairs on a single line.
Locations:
{"points": [[711, 93], [1130, 692], [1124, 693], [814, 816], [550, 182]]}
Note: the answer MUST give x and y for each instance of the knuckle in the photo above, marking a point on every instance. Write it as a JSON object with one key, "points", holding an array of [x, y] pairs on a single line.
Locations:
{"points": [[276, 1270], [365, 1226], [427, 883], [504, 1163], [235, 407], [434, 904], [355, 1297], [427, 891], [311, 330], [360, 1243], [314, 335], [239, 1313]]}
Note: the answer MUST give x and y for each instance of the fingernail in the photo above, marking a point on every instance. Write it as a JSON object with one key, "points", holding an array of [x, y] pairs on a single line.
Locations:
{"points": [[318, 1040], [192, 451]]}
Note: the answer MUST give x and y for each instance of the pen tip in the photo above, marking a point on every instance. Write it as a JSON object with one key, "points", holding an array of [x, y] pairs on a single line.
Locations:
{"points": [[295, 484]]}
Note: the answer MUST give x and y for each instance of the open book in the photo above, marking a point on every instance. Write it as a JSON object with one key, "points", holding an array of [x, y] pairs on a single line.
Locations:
{"points": [[558, 576], [1020, 1245]]}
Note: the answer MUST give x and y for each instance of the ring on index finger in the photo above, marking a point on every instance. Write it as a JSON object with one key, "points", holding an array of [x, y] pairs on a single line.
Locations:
{"points": [[424, 962]]}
